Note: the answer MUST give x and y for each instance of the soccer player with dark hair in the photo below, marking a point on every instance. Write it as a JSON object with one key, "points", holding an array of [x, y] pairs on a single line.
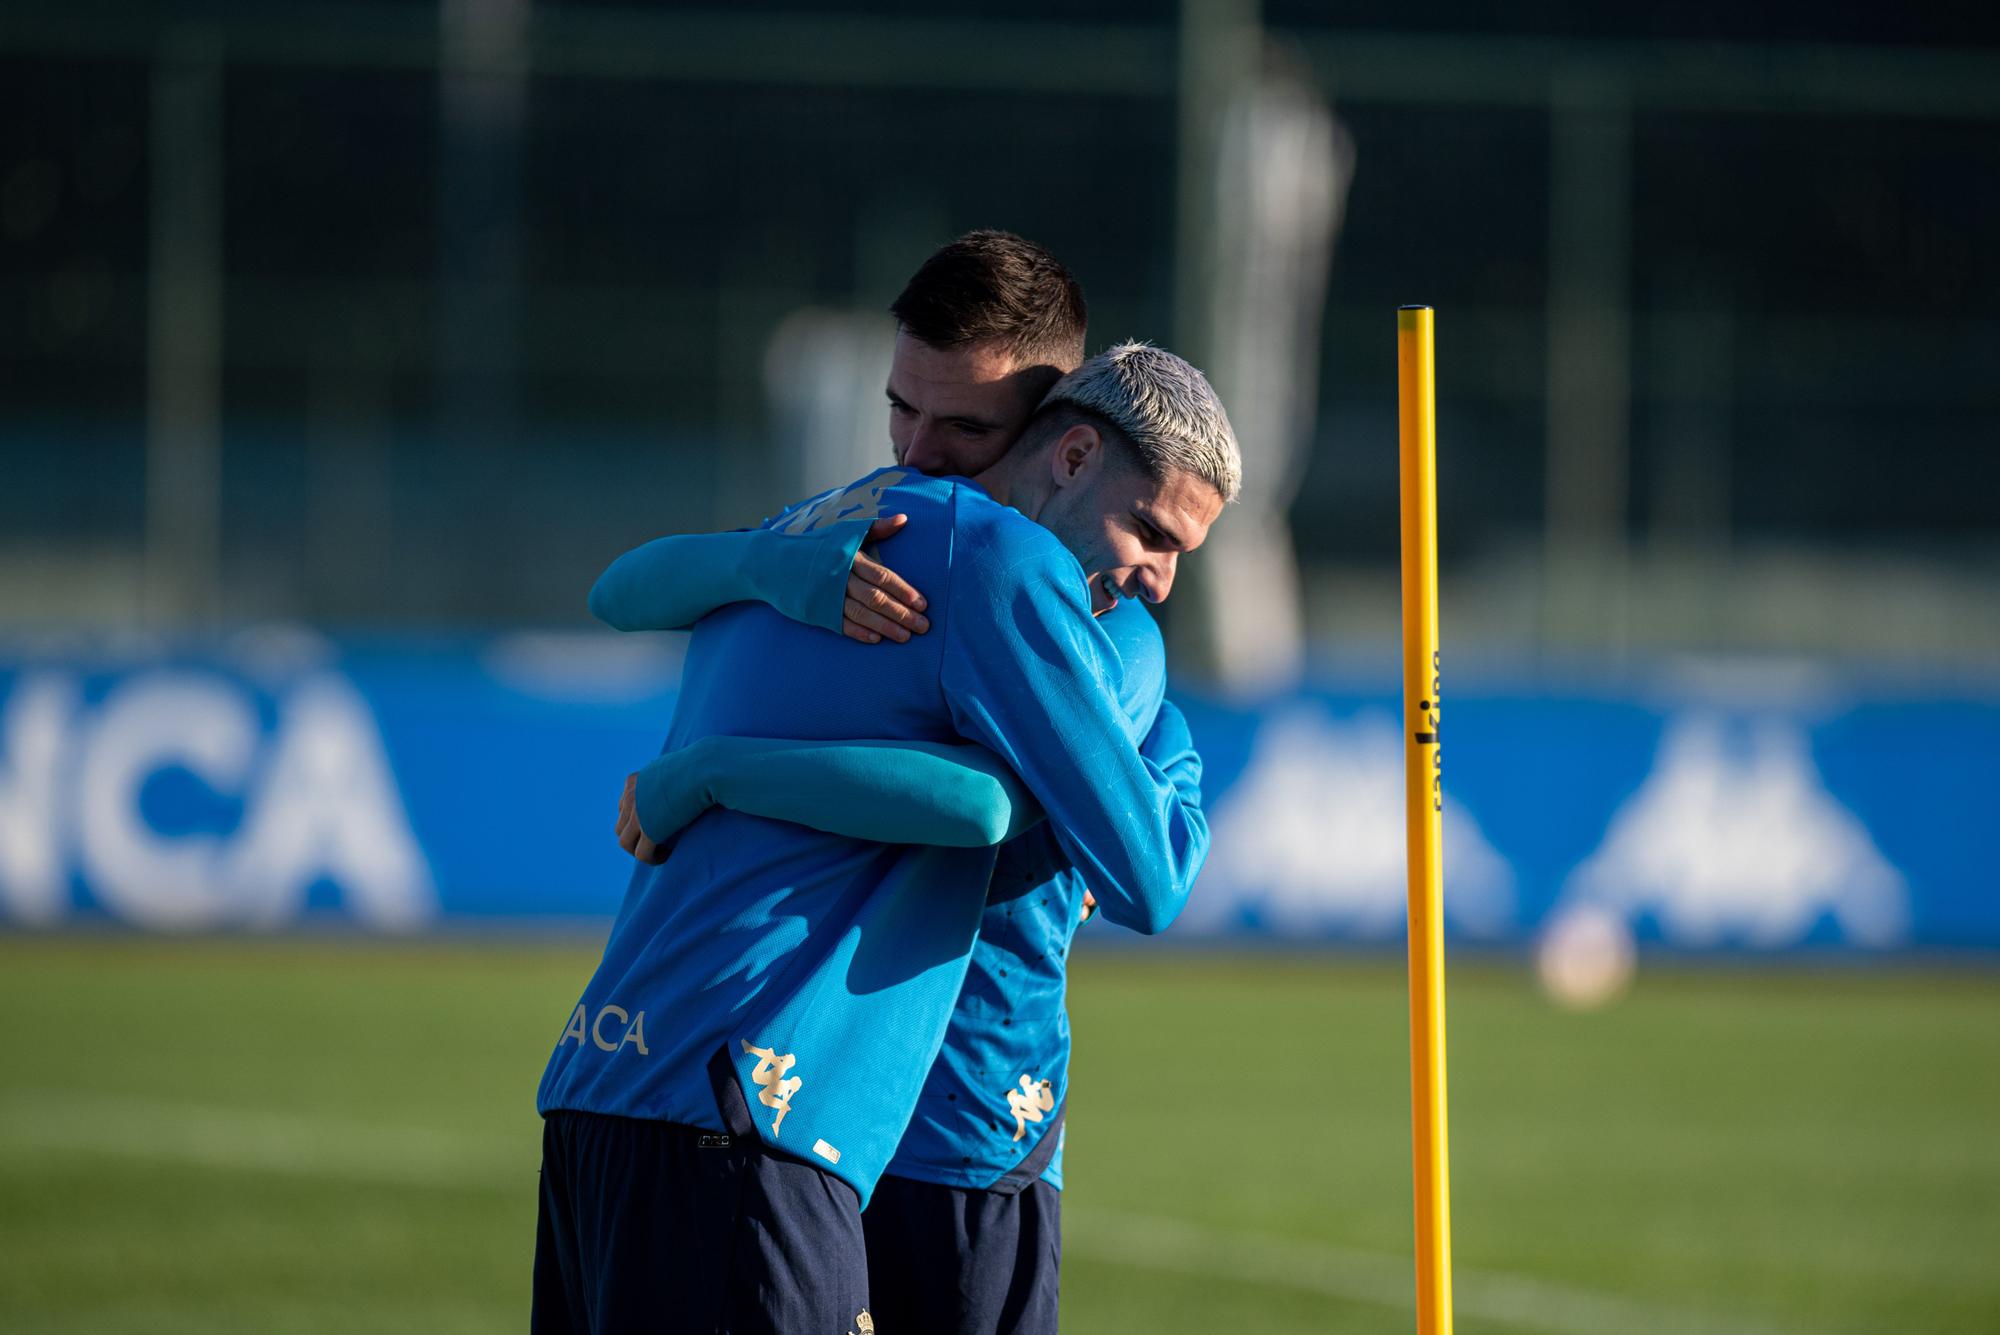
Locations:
{"points": [[983, 330]]}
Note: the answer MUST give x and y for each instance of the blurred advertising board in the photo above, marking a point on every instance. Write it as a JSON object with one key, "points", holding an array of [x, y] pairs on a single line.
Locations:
{"points": [[275, 780]]}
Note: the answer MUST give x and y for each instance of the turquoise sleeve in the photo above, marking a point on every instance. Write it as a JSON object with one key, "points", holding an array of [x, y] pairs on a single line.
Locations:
{"points": [[889, 792], [1170, 746], [670, 583], [1028, 673]]}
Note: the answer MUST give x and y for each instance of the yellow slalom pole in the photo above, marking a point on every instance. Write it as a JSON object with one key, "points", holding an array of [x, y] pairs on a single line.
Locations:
{"points": [[1423, 808]]}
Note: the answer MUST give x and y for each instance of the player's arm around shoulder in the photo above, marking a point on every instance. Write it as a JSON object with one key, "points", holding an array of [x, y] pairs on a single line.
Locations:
{"points": [[1169, 747], [809, 564], [1142, 659], [1164, 739], [886, 791], [1028, 673]]}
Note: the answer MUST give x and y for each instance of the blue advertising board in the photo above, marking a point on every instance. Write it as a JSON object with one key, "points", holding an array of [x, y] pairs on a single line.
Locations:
{"points": [[273, 779]]}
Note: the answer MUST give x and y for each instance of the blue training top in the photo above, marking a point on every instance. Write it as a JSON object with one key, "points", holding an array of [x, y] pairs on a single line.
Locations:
{"points": [[996, 1090], [818, 970], [1002, 1073]]}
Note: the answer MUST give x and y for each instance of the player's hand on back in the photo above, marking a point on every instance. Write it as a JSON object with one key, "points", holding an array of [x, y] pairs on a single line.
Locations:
{"points": [[630, 837], [881, 603]]}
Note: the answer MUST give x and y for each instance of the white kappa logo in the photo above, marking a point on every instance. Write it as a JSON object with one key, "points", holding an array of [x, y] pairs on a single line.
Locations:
{"points": [[863, 500], [1734, 837]]}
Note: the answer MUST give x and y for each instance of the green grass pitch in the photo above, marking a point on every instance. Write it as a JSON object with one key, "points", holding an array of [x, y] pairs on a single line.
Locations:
{"points": [[280, 1136]]}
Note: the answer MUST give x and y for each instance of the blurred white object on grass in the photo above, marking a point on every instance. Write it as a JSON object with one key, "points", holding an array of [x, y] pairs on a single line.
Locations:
{"points": [[1586, 958]]}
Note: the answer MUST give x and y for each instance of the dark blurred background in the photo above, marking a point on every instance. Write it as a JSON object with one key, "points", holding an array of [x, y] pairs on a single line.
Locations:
{"points": [[409, 315]]}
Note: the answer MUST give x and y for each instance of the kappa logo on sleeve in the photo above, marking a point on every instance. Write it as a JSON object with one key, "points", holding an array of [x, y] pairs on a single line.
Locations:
{"points": [[863, 500], [777, 1088], [1029, 1103]]}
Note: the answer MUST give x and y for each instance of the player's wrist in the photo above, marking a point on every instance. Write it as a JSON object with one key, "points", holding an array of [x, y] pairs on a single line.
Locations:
{"points": [[660, 798]]}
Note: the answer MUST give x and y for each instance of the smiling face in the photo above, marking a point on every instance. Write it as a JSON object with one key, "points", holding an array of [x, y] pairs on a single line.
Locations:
{"points": [[1127, 529], [954, 411]]}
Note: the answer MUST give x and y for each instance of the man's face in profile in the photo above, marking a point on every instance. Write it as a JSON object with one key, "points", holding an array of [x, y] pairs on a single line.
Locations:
{"points": [[954, 411], [1127, 529]]}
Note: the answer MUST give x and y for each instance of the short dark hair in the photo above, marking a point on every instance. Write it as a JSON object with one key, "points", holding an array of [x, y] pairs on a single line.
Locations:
{"points": [[991, 285]]}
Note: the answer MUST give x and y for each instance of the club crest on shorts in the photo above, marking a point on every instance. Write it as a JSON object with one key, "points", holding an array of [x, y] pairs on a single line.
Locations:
{"points": [[1029, 1102], [777, 1088], [864, 1324]]}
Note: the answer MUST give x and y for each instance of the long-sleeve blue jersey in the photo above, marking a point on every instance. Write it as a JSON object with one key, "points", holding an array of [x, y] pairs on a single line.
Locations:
{"points": [[1002, 1073], [820, 971]]}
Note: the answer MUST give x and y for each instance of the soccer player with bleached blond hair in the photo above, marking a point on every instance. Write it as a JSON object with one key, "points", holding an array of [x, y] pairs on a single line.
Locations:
{"points": [[1125, 460]]}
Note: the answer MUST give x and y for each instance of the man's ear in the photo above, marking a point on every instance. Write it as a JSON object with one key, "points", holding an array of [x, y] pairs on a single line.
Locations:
{"points": [[1078, 454]]}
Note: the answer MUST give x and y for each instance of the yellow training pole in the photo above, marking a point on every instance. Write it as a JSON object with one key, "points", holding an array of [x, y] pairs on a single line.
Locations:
{"points": [[1423, 806]]}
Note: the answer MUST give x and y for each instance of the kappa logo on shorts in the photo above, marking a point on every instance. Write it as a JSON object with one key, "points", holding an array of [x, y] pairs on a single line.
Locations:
{"points": [[864, 1324], [777, 1088], [1029, 1102]]}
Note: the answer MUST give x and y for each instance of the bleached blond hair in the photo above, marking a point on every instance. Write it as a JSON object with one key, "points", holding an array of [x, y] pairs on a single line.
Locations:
{"points": [[1163, 406]]}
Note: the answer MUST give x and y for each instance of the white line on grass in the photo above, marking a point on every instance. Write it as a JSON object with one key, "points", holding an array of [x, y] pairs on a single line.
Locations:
{"points": [[279, 1142], [264, 1140], [1150, 1242]]}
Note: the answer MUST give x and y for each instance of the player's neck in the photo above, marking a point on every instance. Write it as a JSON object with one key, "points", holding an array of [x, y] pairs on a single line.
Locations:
{"points": [[1008, 484]]}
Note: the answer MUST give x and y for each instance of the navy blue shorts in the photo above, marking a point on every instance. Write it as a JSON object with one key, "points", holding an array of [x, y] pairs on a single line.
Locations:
{"points": [[654, 1226], [960, 1261]]}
